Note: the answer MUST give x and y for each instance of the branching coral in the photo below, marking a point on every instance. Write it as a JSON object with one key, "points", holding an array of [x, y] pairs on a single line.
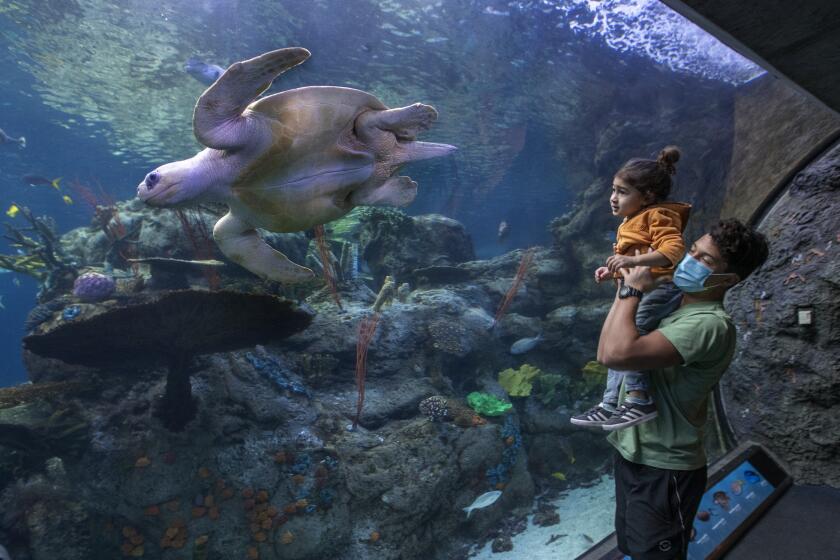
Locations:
{"points": [[43, 258]]}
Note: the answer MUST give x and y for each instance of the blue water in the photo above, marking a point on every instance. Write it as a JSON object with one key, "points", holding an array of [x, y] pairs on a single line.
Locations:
{"points": [[78, 152], [98, 89]]}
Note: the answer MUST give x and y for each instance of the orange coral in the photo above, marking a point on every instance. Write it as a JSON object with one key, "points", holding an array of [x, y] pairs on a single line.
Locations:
{"points": [[202, 540], [142, 462], [301, 504], [213, 513], [290, 508], [298, 479], [198, 511], [208, 500], [375, 536], [204, 472], [253, 553], [262, 496], [248, 493], [287, 538], [260, 537]]}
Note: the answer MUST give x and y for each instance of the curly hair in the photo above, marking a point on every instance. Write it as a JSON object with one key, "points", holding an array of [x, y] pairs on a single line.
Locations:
{"points": [[743, 248], [652, 176]]}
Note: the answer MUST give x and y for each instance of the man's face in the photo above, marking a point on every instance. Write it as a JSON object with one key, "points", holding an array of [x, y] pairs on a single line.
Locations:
{"points": [[706, 251]]}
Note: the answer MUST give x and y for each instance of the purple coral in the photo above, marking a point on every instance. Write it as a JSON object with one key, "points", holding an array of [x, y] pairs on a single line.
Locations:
{"points": [[93, 286]]}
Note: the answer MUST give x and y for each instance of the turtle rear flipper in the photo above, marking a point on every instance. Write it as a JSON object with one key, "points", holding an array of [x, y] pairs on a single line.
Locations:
{"points": [[217, 120], [404, 122], [239, 242]]}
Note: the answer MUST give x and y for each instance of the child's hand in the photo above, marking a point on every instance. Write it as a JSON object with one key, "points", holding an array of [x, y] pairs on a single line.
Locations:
{"points": [[602, 274], [616, 262]]}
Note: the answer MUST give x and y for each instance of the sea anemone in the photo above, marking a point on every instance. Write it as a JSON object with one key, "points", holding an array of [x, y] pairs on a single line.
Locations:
{"points": [[93, 286]]}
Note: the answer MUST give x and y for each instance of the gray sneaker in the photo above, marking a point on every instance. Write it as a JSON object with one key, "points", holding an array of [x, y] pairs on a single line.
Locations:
{"points": [[595, 416], [630, 414]]}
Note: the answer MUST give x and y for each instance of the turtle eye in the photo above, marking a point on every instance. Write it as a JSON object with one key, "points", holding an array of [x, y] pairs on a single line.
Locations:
{"points": [[152, 179]]}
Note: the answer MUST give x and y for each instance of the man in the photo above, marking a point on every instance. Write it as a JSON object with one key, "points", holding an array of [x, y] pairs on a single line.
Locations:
{"points": [[660, 466]]}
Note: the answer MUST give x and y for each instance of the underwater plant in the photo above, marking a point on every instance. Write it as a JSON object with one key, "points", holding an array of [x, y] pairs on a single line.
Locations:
{"points": [[43, 258], [367, 328], [170, 329], [327, 263], [487, 404], [519, 382], [594, 375], [527, 257], [547, 387]]}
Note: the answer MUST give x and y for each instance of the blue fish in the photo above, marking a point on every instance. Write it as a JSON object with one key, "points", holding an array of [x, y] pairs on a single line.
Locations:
{"points": [[524, 345], [203, 72]]}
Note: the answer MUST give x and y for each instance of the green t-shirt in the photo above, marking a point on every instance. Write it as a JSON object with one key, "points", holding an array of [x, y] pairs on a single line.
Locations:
{"points": [[704, 335]]}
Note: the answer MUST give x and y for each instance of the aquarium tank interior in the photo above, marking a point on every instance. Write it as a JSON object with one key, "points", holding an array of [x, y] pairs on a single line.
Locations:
{"points": [[290, 279]]}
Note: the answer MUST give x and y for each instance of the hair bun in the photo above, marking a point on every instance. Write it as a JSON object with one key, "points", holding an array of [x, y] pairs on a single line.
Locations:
{"points": [[668, 158]]}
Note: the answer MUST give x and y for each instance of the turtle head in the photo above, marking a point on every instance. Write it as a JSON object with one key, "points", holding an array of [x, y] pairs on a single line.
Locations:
{"points": [[171, 184]]}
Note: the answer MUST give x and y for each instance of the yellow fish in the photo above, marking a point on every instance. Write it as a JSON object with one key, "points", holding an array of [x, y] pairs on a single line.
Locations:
{"points": [[67, 199], [558, 475], [12, 211]]}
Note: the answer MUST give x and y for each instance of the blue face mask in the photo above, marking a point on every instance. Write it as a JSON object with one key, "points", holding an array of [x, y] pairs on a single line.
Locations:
{"points": [[691, 275]]}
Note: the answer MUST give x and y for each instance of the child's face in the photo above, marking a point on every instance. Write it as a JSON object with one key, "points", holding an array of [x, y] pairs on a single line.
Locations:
{"points": [[625, 200]]}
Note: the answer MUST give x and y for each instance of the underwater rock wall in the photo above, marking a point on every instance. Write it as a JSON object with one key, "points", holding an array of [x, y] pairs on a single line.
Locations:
{"points": [[782, 388], [664, 109]]}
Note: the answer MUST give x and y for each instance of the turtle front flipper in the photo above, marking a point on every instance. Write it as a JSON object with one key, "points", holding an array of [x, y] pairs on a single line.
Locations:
{"points": [[239, 242], [217, 120]]}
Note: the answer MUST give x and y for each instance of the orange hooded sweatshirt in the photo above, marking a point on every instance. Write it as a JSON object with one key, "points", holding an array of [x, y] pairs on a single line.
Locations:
{"points": [[658, 226]]}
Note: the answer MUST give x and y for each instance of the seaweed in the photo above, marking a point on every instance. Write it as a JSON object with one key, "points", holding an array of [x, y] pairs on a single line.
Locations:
{"points": [[40, 254]]}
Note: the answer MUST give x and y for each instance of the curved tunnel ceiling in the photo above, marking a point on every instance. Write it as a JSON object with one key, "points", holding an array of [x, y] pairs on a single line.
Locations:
{"points": [[796, 41]]}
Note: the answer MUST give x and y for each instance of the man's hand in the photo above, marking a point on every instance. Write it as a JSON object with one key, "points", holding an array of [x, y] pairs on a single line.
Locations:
{"points": [[616, 262], [639, 277], [602, 274]]}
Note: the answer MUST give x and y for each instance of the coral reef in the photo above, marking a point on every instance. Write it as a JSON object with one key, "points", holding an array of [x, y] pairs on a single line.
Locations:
{"points": [[519, 382], [92, 287], [487, 404]]}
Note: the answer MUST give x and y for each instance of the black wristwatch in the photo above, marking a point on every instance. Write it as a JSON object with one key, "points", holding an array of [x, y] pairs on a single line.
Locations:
{"points": [[626, 292]]}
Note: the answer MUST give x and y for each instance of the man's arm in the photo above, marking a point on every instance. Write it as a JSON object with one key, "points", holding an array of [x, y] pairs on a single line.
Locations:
{"points": [[621, 347]]}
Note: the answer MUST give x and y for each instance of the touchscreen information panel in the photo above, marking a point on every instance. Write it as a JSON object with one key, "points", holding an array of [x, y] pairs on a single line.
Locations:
{"points": [[725, 506]]}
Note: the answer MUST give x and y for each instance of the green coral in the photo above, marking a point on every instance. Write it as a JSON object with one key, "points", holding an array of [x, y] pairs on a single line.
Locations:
{"points": [[594, 376], [487, 404], [519, 382], [547, 386]]}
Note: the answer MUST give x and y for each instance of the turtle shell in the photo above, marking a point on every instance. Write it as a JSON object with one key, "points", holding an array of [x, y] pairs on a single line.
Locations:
{"points": [[314, 161]]}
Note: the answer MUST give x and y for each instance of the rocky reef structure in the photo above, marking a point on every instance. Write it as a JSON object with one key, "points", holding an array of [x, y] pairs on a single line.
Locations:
{"points": [[789, 334], [216, 421]]}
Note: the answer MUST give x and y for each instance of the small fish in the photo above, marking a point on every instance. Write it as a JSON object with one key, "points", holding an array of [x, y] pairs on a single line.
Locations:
{"points": [[486, 499], [12, 211], [67, 199], [4, 138], [35, 180], [203, 72], [524, 345], [589, 539], [504, 229], [4, 554], [558, 475]]}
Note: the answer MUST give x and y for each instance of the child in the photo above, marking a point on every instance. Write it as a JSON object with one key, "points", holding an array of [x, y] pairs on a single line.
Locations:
{"points": [[638, 191]]}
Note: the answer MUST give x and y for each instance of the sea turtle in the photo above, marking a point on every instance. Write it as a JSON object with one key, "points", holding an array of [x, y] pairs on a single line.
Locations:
{"points": [[291, 160]]}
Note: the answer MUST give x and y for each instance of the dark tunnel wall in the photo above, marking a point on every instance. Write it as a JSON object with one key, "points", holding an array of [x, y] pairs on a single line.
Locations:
{"points": [[783, 388]]}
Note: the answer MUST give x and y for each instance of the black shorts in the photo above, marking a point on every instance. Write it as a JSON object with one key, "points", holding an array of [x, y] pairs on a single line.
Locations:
{"points": [[654, 509]]}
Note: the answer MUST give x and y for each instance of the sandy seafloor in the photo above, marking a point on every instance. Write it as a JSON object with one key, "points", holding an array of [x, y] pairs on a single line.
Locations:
{"points": [[583, 511]]}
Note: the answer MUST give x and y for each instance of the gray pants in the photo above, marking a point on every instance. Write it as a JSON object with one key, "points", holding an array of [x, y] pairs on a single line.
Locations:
{"points": [[655, 306]]}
